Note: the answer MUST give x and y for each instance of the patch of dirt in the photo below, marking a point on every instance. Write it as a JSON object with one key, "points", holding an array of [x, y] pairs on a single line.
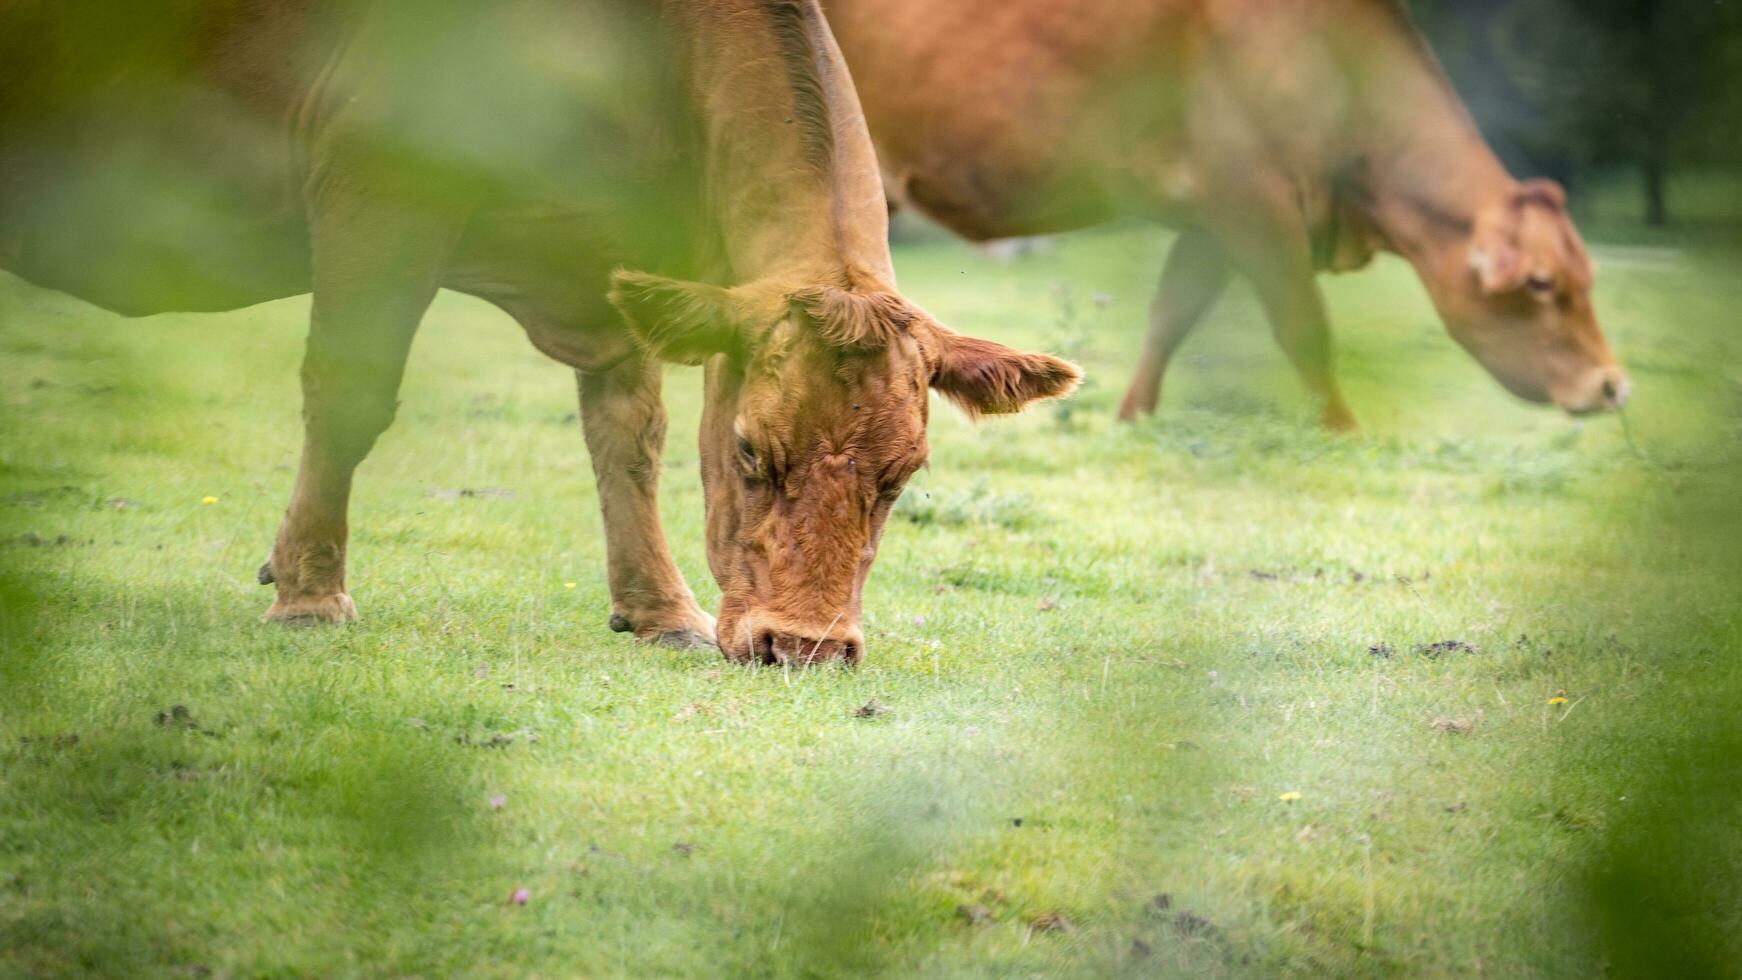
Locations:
{"points": [[1381, 651], [177, 717], [30, 539], [473, 493], [871, 709], [974, 915], [1140, 949], [36, 498], [1189, 923], [1452, 726], [1051, 922], [1458, 807], [496, 740], [683, 848], [1440, 648]]}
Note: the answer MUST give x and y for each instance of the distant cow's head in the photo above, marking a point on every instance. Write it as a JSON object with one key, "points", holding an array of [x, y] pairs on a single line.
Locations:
{"points": [[815, 418], [1518, 297]]}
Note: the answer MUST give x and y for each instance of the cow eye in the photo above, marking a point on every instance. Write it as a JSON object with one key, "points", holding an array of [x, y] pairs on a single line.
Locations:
{"points": [[747, 457], [1541, 283]]}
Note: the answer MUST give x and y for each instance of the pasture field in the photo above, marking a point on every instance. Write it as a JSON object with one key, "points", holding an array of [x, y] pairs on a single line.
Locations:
{"points": [[1211, 695]]}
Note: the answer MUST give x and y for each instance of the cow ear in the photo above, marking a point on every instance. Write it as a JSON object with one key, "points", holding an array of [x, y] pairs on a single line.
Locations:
{"points": [[1495, 258], [685, 322], [1541, 190], [987, 378]]}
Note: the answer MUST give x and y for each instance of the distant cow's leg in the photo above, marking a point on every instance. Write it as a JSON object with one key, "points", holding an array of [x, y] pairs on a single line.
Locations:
{"points": [[1195, 274], [375, 274], [1296, 310], [1276, 255], [624, 420]]}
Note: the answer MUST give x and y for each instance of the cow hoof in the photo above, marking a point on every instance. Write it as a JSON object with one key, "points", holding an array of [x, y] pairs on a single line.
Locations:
{"points": [[1340, 423], [308, 610], [694, 631], [1132, 412], [681, 629], [680, 639]]}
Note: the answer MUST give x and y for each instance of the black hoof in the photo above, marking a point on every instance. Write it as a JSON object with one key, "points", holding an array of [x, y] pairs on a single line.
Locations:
{"points": [[620, 623], [264, 576]]}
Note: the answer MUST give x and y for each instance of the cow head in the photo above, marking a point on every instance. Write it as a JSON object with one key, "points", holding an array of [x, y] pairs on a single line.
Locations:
{"points": [[1517, 295], [814, 419]]}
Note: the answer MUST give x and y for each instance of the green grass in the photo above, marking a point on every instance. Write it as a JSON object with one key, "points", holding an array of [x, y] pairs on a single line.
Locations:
{"points": [[1107, 653]]}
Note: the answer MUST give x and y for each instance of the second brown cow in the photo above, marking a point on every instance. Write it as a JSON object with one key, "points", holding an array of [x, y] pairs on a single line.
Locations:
{"points": [[1284, 137]]}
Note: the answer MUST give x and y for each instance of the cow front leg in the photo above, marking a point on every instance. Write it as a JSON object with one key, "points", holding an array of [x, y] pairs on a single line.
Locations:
{"points": [[1195, 274], [624, 421], [1271, 247], [375, 274], [1296, 310]]}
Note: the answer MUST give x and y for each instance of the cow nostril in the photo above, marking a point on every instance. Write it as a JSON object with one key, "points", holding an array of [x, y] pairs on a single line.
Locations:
{"points": [[1611, 389], [763, 650]]}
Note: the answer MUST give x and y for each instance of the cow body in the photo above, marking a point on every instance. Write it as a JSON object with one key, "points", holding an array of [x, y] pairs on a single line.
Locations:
{"points": [[210, 154], [174, 161], [1283, 137]]}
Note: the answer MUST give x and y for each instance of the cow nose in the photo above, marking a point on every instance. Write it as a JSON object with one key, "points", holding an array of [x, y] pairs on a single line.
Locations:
{"points": [[802, 648], [1615, 388], [1600, 389]]}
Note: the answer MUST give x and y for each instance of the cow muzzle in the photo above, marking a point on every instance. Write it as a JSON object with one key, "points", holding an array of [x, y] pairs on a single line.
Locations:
{"points": [[1601, 389], [773, 640]]}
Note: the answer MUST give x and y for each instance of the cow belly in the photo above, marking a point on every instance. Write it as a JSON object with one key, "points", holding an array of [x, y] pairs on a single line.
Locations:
{"points": [[139, 231], [982, 201], [138, 268]]}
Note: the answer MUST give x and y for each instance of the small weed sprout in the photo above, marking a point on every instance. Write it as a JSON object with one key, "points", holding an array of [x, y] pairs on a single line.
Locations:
{"points": [[1069, 338]]}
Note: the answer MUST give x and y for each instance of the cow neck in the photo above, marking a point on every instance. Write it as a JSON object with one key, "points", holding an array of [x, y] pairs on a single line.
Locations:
{"points": [[792, 176], [1424, 170]]}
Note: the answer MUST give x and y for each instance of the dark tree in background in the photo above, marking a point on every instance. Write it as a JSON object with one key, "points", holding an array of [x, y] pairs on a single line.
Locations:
{"points": [[1573, 88]]}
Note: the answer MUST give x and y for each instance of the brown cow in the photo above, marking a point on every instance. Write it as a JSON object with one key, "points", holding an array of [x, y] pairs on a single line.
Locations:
{"points": [[208, 155], [1284, 137]]}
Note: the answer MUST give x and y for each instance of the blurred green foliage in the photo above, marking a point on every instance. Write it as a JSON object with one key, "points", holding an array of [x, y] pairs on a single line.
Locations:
{"points": [[1574, 88]]}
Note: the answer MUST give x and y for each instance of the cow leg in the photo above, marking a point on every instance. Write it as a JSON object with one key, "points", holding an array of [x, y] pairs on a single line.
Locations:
{"points": [[375, 273], [1296, 310], [1272, 249], [1194, 276], [624, 421]]}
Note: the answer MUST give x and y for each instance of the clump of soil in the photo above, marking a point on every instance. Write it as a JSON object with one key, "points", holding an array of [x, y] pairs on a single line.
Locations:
{"points": [[178, 718], [871, 709], [1052, 922], [1440, 648], [1189, 923], [975, 915]]}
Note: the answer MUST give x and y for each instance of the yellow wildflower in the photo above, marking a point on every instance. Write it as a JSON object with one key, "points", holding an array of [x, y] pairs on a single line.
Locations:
{"points": [[208, 500], [568, 585], [1290, 796]]}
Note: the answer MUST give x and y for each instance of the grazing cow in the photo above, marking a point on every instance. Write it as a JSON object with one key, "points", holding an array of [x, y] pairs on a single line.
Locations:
{"points": [[215, 153], [1284, 137]]}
